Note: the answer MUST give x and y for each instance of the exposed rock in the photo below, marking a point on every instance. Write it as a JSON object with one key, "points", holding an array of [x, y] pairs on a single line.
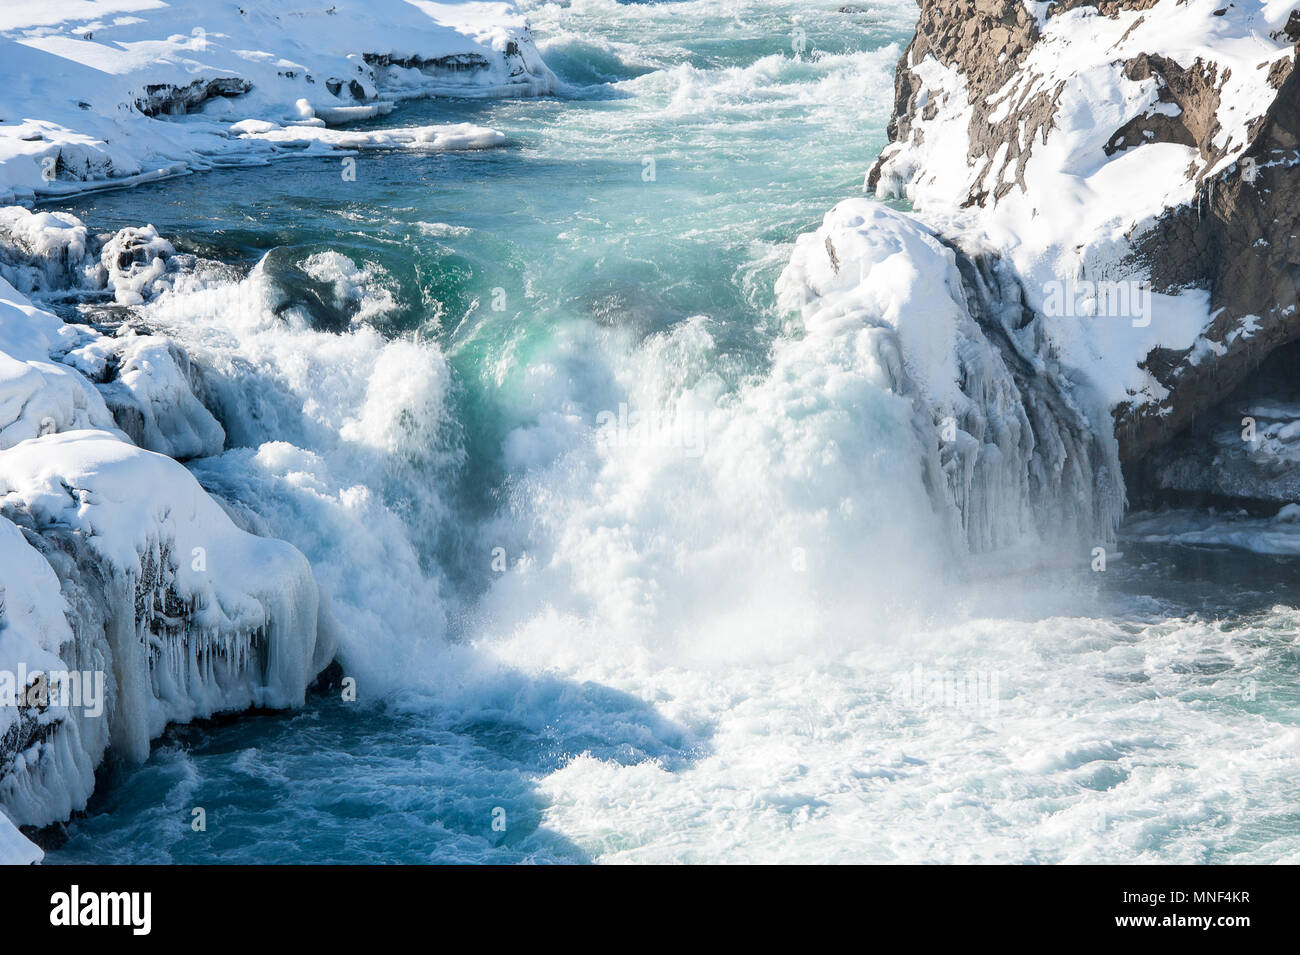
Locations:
{"points": [[164, 99], [1245, 452], [1150, 142], [985, 41], [1240, 240], [453, 63]]}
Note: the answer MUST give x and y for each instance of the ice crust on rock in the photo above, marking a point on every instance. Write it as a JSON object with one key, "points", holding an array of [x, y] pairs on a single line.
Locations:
{"points": [[1009, 447], [113, 559], [186, 614]]}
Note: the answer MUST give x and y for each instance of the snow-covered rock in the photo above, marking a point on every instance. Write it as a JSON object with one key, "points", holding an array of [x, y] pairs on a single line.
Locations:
{"points": [[37, 394], [14, 848], [151, 394], [119, 92], [147, 382], [113, 559], [157, 596], [1011, 453], [1136, 160], [201, 616]]}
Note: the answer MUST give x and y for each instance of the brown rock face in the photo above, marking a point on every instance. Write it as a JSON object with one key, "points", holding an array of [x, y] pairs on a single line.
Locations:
{"points": [[971, 35], [1240, 241], [1237, 239], [1195, 93]]}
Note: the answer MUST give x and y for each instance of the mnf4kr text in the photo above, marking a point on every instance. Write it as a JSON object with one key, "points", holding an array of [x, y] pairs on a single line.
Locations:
{"points": [[1160, 898]]}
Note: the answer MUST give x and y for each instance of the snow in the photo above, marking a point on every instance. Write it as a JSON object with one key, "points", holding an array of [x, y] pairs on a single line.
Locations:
{"points": [[78, 79], [14, 849], [886, 283], [38, 395], [152, 396], [1079, 208], [90, 481], [447, 136], [127, 567]]}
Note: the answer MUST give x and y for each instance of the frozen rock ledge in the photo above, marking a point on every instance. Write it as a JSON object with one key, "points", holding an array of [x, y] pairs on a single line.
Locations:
{"points": [[116, 562]]}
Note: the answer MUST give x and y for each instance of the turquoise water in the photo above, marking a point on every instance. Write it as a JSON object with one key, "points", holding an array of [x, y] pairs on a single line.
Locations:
{"points": [[609, 647]]}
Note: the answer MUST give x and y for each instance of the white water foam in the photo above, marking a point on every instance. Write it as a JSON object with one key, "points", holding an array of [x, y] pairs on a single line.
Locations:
{"points": [[754, 555]]}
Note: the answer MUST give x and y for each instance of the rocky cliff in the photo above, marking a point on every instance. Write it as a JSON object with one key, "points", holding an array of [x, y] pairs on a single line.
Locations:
{"points": [[1138, 161]]}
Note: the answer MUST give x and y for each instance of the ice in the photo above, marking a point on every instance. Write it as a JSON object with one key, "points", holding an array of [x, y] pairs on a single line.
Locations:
{"points": [[1009, 446], [152, 394], [47, 752], [179, 581], [1277, 536], [113, 559], [446, 137]]}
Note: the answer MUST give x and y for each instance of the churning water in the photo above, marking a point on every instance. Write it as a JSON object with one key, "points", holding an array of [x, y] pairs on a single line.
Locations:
{"points": [[605, 577]]}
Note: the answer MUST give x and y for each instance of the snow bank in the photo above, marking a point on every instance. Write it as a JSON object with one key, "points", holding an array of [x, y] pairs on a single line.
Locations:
{"points": [[149, 385], [183, 614], [121, 92]]}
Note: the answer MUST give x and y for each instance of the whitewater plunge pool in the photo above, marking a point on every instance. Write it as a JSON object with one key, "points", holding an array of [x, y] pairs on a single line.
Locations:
{"points": [[709, 646]]}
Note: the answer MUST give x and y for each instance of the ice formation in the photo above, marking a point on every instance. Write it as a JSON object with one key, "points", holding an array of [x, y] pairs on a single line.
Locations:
{"points": [[1010, 446], [116, 561]]}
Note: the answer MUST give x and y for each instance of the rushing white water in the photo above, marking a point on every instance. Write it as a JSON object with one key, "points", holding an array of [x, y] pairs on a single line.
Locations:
{"points": [[636, 557]]}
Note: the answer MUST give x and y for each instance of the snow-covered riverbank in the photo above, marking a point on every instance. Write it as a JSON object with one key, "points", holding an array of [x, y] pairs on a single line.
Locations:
{"points": [[114, 562], [126, 91]]}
